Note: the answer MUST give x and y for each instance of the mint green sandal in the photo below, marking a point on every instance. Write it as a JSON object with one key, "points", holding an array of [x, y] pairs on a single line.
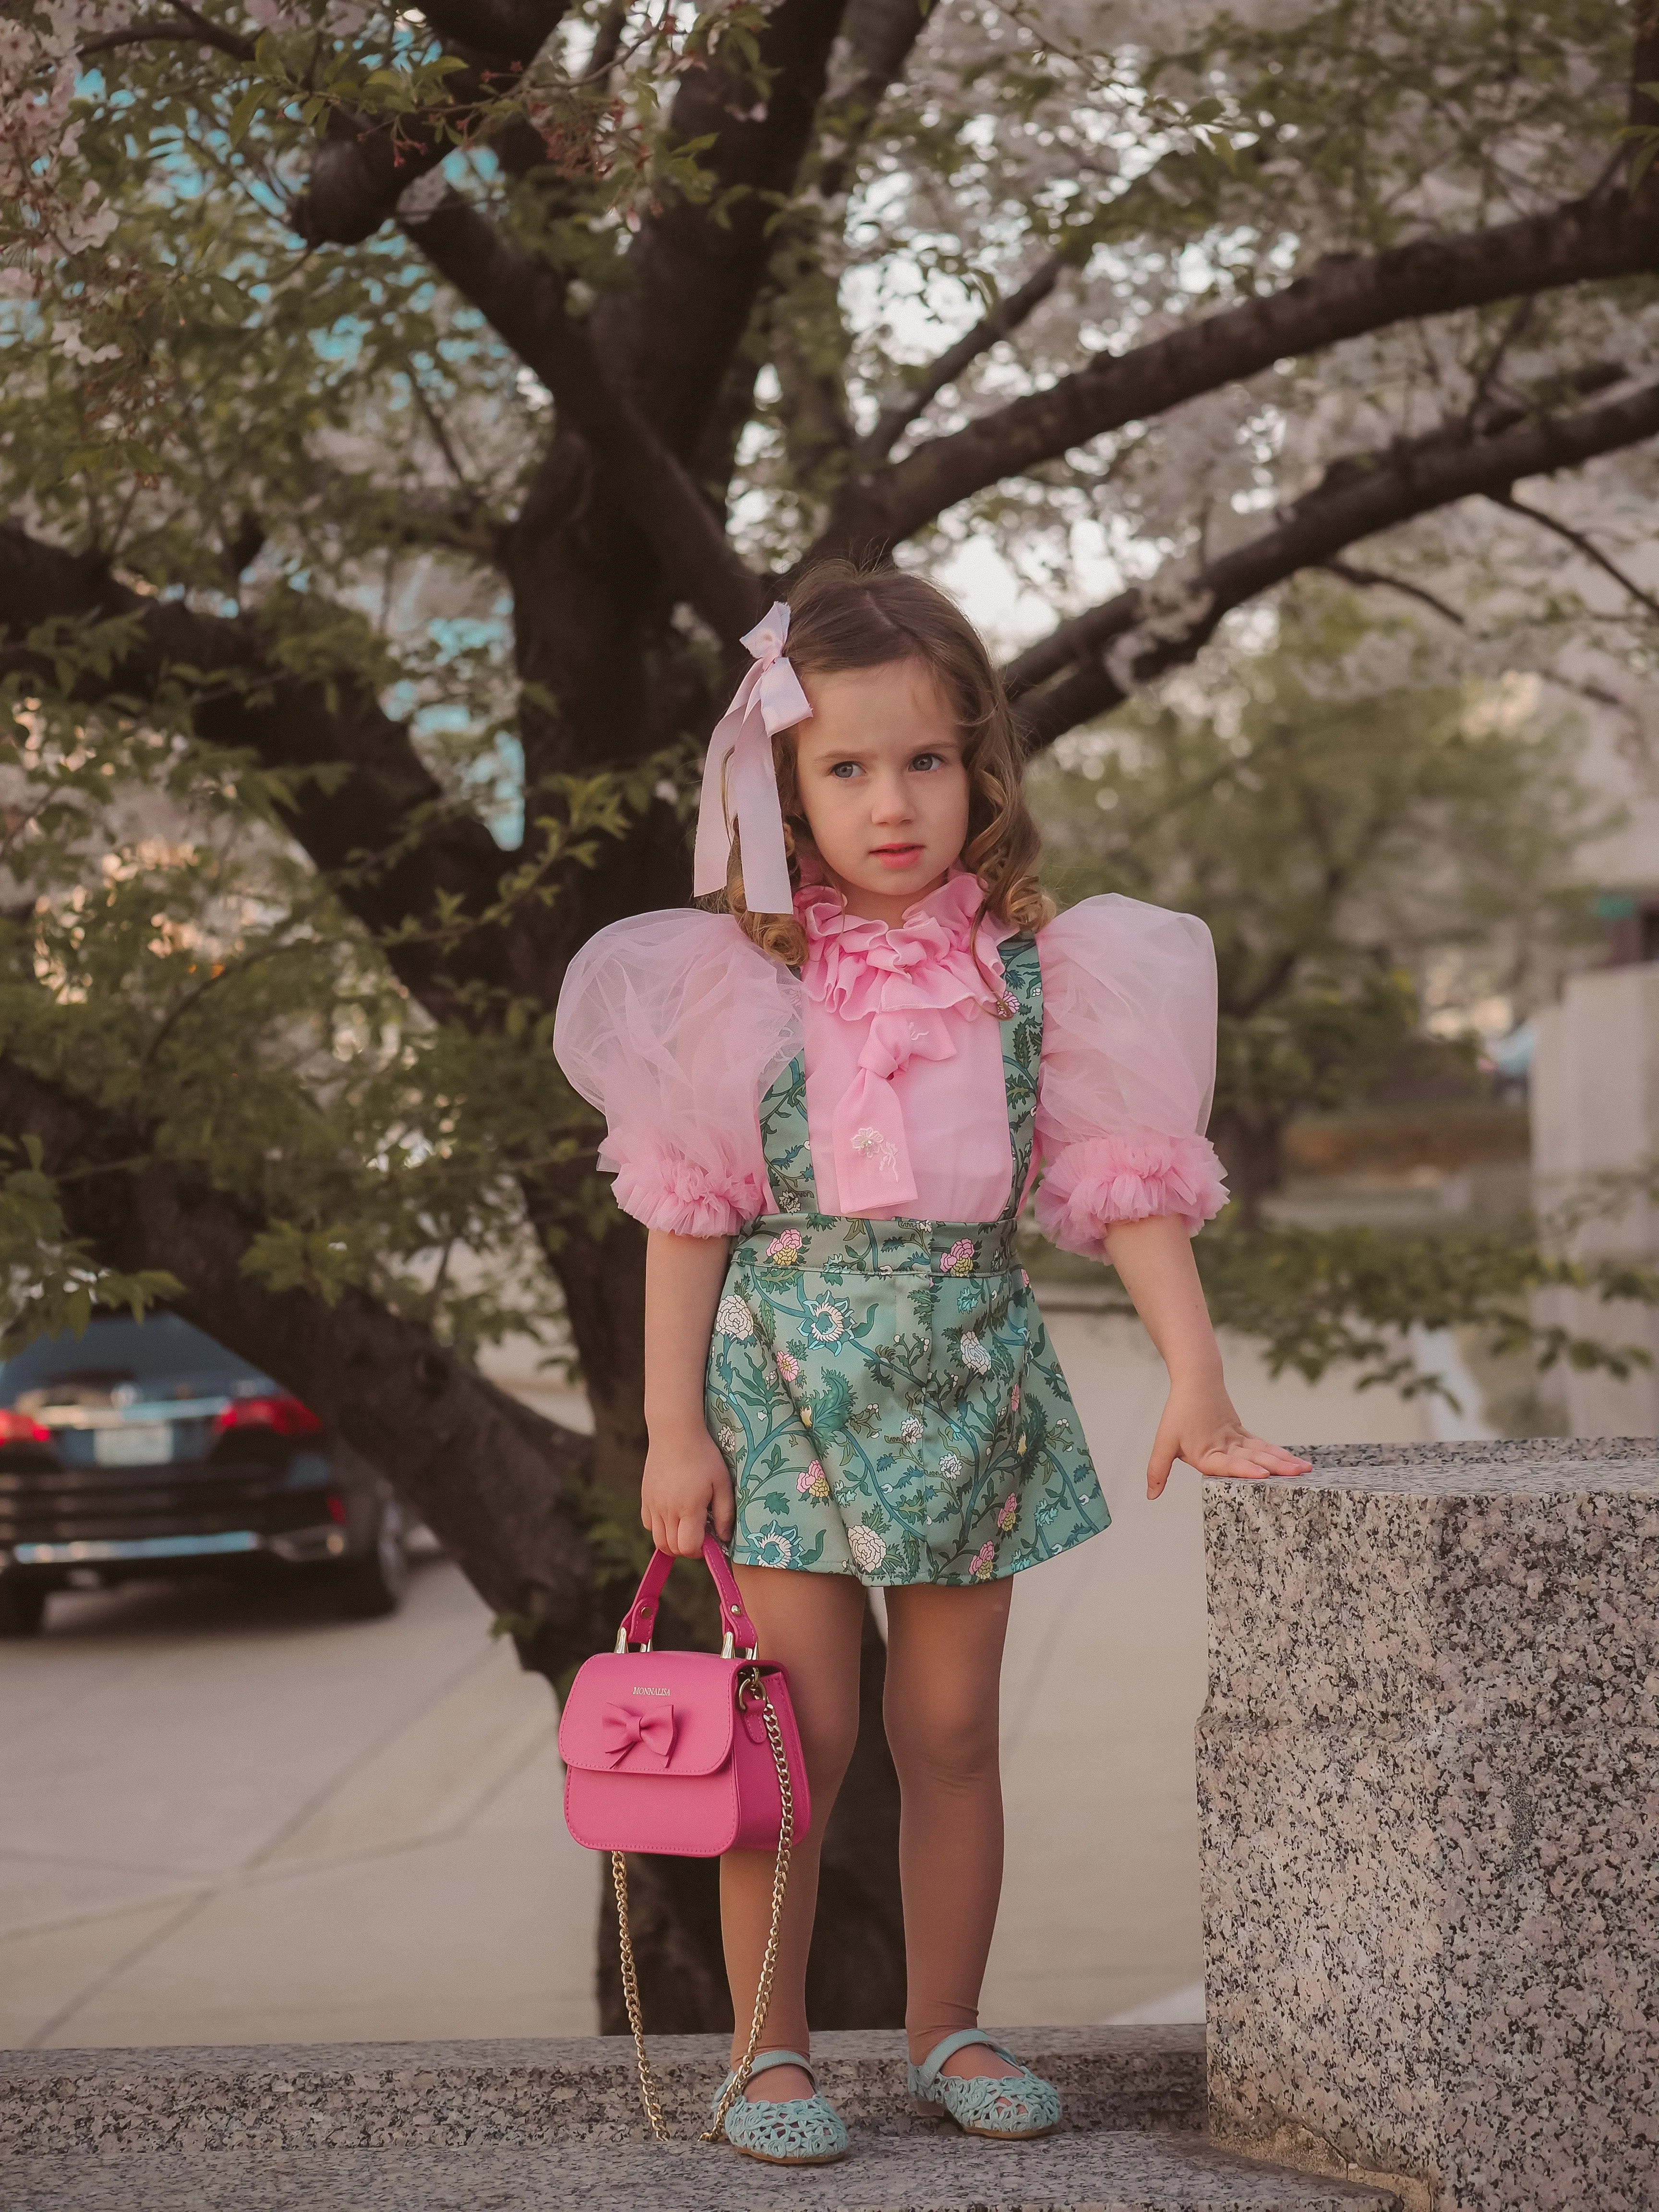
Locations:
{"points": [[791, 2131], [1015, 2109]]}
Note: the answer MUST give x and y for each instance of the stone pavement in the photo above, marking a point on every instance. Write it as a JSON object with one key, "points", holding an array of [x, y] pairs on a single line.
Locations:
{"points": [[526, 2093], [1071, 2173], [538, 2126]]}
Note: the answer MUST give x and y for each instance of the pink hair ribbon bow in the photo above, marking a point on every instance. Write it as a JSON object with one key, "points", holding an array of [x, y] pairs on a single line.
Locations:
{"points": [[620, 1728], [768, 698]]}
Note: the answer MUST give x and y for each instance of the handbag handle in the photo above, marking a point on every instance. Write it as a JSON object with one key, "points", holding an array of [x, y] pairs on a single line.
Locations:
{"points": [[641, 1616]]}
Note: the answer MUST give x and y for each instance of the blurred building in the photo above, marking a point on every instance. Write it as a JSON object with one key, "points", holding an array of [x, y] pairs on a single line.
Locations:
{"points": [[1594, 1086]]}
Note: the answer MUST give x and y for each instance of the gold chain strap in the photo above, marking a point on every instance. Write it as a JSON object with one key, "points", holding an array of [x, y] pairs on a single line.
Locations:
{"points": [[739, 2080], [631, 1997]]}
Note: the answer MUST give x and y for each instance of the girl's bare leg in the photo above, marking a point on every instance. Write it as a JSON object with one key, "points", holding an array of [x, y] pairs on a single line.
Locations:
{"points": [[944, 1673], [813, 1624]]}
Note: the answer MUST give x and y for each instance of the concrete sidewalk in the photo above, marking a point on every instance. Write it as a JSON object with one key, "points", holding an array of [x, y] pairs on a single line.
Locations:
{"points": [[228, 1817], [231, 1818]]}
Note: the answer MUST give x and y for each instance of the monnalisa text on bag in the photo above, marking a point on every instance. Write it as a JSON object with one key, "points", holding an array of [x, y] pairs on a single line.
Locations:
{"points": [[688, 1752]]}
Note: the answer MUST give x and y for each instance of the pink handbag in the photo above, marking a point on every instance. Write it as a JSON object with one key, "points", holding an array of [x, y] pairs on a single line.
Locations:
{"points": [[687, 1753]]}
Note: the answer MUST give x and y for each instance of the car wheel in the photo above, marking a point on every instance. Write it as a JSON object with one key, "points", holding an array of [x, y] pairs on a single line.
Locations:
{"points": [[373, 1585], [23, 1605]]}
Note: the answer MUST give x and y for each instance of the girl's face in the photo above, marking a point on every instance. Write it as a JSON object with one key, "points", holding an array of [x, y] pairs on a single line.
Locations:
{"points": [[883, 784]]}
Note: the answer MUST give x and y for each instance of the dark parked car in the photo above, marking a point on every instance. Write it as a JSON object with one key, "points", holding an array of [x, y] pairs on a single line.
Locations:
{"points": [[145, 1449]]}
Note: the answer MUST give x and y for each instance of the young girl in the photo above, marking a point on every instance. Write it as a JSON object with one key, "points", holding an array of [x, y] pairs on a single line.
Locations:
{"points": [[828, 1102]]}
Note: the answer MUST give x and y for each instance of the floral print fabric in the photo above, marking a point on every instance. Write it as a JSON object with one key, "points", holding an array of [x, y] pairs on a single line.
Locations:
{"points": [[885, 1391]]}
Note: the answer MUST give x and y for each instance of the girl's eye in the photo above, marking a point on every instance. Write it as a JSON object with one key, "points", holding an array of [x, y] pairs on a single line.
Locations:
{"points": [[845, 768], [928, 760]]}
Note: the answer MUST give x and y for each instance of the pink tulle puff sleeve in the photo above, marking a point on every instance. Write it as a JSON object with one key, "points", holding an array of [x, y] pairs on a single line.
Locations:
{"points": [[1128, 1069], [673, 1024]]}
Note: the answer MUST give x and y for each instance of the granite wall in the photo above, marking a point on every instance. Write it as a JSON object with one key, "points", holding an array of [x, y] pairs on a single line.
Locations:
{"points": [[1429, 1789]]}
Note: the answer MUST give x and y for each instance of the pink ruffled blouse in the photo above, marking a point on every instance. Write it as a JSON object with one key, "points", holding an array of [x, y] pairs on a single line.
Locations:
{"points": [[674, 1025]]}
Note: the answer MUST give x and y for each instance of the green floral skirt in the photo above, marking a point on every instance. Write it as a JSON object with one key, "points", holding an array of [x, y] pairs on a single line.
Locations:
{"points": [[889, 1404]]}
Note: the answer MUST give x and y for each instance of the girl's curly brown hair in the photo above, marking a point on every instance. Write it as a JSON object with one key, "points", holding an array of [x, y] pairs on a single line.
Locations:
{"points": [[842, 617]]}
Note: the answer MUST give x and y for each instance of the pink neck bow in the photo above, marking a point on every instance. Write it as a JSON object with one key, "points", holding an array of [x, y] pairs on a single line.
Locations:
{"points": [[768, 698], [867, 1131], [620, 1728]]}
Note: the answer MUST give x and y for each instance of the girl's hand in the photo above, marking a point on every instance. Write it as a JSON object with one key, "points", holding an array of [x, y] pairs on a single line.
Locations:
{"points": [[1200, 1426], [686, 1481]]}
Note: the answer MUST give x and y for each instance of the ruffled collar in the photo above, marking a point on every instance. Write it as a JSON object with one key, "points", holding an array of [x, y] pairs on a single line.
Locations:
{"points": [[858, 967]]}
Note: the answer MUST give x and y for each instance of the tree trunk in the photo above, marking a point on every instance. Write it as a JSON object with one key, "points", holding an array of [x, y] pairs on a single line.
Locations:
{"points": [[1252, 1150]]}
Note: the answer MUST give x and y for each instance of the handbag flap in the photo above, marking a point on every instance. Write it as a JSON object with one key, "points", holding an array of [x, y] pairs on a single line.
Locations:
{"points": [[650, 1712]]}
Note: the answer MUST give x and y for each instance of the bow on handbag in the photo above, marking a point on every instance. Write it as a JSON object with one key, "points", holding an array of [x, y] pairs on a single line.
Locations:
{"points": [[620, 1728]]}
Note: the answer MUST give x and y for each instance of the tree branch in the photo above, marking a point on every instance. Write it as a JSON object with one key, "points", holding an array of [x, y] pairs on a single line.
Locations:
{"points": [[241, 701], [1518, 322], [435, 519], [1090, 665], [1591, 551], [502, 1488], [880, 34], [1343, 296], [1641, 113], [187, 28], [1005, 317], [495, 31], [696, 267], [425, 515], [440, 431], [361, 168], [523, 301], [607, 39], [1366, 580]]}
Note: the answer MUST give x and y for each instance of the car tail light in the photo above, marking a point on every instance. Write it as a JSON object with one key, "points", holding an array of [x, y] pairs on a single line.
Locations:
{"points": [[336, 1510], [286, 1415], [21, 1429]]}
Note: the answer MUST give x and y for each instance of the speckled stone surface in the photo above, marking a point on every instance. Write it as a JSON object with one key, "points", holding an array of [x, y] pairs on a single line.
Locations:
{"points": [[384, 2096], [1429, 1789], [947, 2172]]}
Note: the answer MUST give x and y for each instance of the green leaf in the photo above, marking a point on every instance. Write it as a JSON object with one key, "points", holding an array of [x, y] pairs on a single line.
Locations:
{"points": [[242, 115]]}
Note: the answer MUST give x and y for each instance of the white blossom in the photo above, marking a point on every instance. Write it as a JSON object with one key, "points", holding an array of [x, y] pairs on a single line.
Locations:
{"points": [[867, 1549]]}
